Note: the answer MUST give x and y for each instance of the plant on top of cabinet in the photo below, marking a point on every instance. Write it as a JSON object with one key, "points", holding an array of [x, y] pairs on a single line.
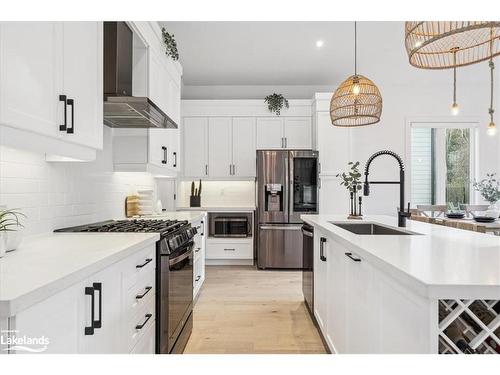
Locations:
{"points": [[351, 179], [275, 103], [170, 44]]}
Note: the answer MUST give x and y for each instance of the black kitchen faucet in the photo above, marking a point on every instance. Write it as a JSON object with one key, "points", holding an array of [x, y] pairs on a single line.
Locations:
{"points": [[402, 215]]}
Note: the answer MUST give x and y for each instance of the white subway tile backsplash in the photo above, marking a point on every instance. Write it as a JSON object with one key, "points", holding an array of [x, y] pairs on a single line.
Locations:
{"points": [[55, 195]]}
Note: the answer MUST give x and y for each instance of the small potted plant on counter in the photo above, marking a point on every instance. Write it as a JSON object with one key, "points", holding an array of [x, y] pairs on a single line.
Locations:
{"points": [[489, 188], [352, 181], [10, 230]]}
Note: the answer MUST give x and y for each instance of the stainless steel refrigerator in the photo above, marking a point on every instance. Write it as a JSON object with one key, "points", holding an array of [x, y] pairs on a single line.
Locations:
{"points": [[287, 186]]}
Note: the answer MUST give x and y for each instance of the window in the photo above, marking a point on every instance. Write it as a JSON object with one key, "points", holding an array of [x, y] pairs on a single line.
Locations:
{"points": [[441, 163]]}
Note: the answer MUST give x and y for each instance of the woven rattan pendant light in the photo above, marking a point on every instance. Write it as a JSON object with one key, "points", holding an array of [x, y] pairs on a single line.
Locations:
{"points": [[357, 100]]}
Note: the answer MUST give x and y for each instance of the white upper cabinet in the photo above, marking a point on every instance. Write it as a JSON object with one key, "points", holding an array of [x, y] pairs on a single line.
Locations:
{"points": [[297, 132], [220, 146], [82, 81], [284, 133], [51, 81], [30, 73], [195, 146], [244, 157], [270, 133]]}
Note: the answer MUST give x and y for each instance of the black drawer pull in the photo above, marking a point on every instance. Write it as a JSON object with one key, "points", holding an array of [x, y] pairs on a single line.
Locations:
{"points": [[71, 130], [89, 291], [164, 161], [349, 255], [175, 160], [98, 322], [197, 278], [147, 289], [322, 242], [197, 250], [148, 260], [62, 98], [141, 326]]}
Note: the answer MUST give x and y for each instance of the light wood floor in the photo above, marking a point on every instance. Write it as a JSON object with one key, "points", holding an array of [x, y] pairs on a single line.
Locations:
{"points": [[244, 310]]}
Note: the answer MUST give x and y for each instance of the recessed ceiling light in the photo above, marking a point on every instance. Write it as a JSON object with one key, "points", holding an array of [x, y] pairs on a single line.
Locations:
{"points": [[319, 43]]}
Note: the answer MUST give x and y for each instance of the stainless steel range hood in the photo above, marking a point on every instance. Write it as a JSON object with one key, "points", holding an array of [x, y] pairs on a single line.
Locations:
{"points": [[121, 109]]}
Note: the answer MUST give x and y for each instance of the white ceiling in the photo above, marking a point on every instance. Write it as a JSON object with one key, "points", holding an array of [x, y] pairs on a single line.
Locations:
{"points": [[247, 55]]}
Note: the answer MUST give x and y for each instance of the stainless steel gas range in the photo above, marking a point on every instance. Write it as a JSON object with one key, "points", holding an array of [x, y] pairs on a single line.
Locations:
{"points": [[174, 276]]}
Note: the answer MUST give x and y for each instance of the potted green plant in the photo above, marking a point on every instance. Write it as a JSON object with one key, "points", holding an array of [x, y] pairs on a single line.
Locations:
{"points": [[351, 179], [275, 103], [10, 230], [489, 188]]}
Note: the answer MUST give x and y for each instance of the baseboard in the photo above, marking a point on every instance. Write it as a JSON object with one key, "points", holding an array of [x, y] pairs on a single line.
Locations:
{"points": [[229, 262]]}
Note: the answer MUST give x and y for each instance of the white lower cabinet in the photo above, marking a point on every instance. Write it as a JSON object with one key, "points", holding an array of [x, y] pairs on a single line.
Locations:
{"points": [[112, 311], [360, 309], [199, 255]]}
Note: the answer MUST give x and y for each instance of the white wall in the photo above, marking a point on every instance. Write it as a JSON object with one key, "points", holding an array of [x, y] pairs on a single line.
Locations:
{"points": [[55, 195], [219, 193]]}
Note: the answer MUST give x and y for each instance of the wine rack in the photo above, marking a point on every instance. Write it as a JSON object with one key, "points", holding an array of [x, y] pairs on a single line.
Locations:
{"points": [[469, 326]]}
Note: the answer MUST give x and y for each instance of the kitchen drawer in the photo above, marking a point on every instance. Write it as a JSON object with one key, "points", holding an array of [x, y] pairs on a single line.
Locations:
{"points": [[229, 250], [138, 266], [146, 345], [198, 272], [135, 298], [133, 334], [198, 251]]}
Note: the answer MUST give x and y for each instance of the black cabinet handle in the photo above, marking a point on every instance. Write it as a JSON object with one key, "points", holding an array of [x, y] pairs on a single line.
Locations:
{"points": [[148, 260], [62, 98], [349, 255], [89, 291], [197, 278], [175, 159], [197, 250], [322, 241], [141, 326], [146, 291], [202, 233], [164, 161], [98, 287], [71, 102]]}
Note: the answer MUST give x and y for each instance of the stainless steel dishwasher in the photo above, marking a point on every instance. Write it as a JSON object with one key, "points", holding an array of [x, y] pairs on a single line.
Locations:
{"points": [[308, 271]]}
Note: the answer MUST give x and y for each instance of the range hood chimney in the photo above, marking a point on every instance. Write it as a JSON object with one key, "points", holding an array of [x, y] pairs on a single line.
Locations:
{"points": [[121, 109]]}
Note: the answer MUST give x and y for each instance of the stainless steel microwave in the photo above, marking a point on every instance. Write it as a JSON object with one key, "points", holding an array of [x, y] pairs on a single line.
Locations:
{"points": [[230, 224]]}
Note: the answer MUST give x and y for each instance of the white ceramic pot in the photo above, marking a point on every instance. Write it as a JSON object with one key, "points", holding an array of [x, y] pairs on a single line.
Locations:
{"points": [[492, 211], [13, 239], [2, 244]]}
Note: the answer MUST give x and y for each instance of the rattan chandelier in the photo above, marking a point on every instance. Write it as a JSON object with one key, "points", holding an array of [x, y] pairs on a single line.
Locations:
{"points": [[451, 44], [357, 100]]}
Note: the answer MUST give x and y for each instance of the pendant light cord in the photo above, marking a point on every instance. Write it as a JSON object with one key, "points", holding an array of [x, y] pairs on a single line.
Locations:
{"points": [[455, 77], [355, 49], [492, 67]]}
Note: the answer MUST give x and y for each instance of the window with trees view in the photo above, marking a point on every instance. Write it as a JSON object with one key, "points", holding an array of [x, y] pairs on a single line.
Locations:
{"points": [[441, 163]]}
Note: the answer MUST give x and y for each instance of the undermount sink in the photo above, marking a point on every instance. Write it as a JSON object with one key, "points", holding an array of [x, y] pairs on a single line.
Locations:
{"points": [[371, 229]]}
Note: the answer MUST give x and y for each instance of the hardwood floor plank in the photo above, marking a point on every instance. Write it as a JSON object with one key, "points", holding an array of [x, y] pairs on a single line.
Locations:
{"points": [[244, 310]]}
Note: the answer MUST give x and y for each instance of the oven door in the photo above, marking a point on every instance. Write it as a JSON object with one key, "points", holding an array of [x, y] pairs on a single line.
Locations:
{"points": [[176, 302]]}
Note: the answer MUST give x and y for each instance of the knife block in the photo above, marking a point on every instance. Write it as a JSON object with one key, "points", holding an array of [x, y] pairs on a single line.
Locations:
{"points": [[194, 201]]}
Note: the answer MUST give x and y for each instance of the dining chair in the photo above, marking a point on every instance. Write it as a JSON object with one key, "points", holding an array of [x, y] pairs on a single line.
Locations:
{"points": [[435, 210], [423, 219], [470, 209]]}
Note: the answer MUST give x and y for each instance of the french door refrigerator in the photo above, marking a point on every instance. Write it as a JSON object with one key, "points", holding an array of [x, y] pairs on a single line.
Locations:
{"points": [[287, 186]]}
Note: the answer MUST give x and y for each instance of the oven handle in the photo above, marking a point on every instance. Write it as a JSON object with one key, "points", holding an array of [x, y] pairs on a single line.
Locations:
{"points": [[307, 233], [184, 255], [277, 227]]}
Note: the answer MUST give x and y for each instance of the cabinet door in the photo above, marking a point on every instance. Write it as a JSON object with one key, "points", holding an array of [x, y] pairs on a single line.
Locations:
{"points": [[336, 327], [320, 279], [31, 78], [195, 149], [82, 75], [244, 157], [332, 138], [174, 149], [219, 147], [362, 314], [159, 85], [298, 133], [56, 318], [270, 133], [160, 152], [107, 310]]}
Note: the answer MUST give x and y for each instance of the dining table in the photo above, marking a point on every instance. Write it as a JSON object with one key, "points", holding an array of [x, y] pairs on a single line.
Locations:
{"points": [[492, 227]]}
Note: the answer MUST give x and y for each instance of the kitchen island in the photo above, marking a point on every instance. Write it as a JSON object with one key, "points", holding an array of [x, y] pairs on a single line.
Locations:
{"points": [[429, 289]]}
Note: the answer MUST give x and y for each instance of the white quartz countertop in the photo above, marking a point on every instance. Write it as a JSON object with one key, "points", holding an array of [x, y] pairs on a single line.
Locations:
{"points": [[442, 262], [45, 265], [219, 208]]}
